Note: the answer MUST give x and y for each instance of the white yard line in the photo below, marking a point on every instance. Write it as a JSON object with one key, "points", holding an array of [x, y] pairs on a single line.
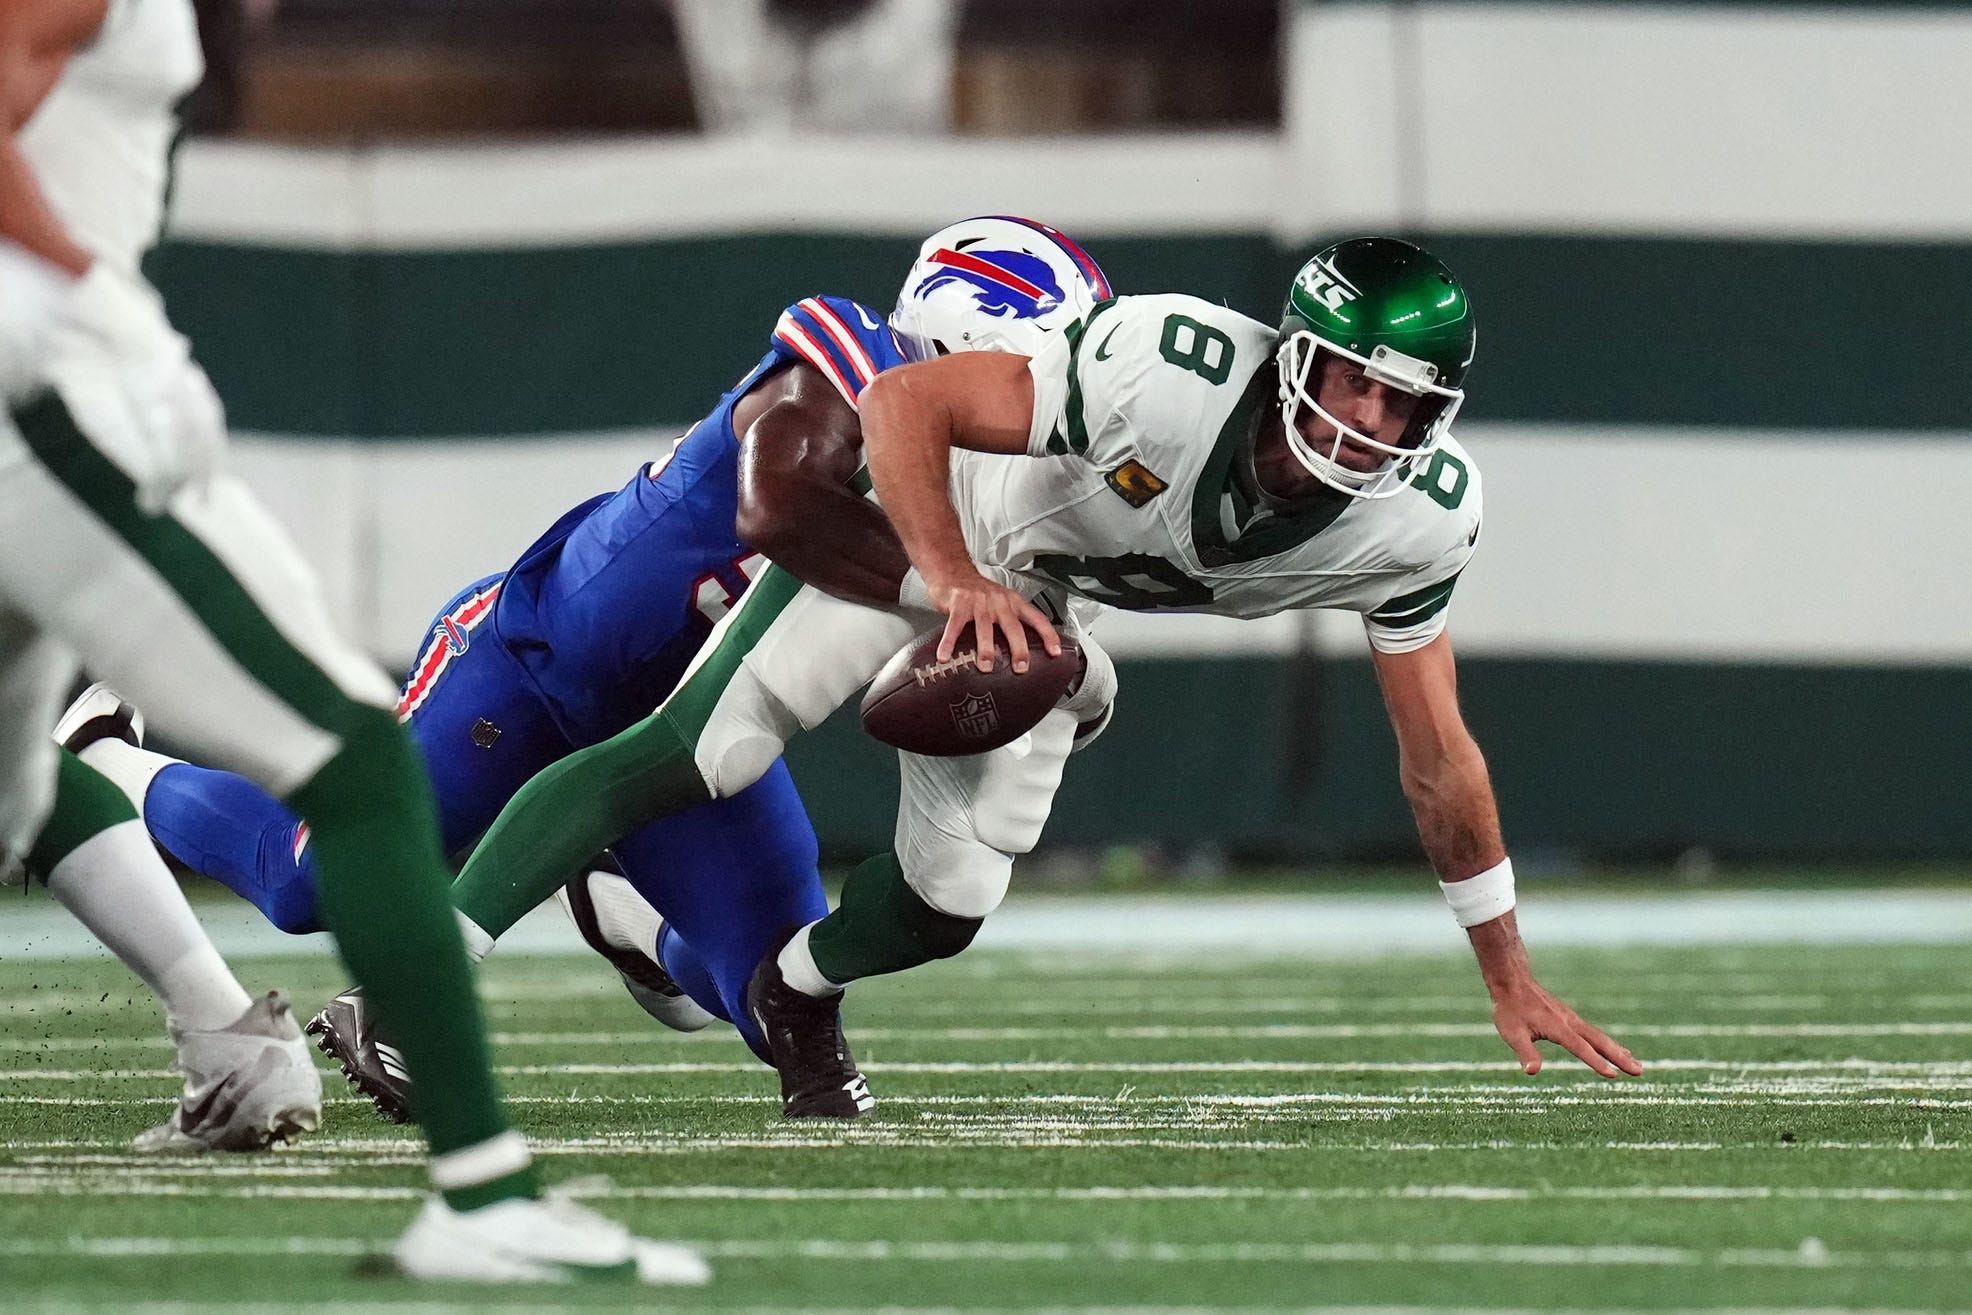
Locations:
{"points": [[537, 1308], [390, 1152], [1614, 1255], [1328, 927], [138, 1181]]}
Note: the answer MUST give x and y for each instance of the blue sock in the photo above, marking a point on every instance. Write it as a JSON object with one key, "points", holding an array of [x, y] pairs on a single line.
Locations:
{"points": [[690, 972], [231, 830]]}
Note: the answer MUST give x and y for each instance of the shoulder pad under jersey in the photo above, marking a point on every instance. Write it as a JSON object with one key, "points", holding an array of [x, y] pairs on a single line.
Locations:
{"points": [[845, 340]]}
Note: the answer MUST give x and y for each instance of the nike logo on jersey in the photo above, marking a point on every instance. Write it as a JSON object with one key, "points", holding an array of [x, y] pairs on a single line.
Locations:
{"points": [[1102, 352], [868, 323]]}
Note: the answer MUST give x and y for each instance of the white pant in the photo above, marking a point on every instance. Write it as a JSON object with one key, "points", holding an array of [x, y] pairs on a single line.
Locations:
{"points": [[787, 657], [204, 614]]}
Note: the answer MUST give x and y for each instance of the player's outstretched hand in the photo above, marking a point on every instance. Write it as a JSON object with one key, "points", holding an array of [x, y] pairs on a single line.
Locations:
{"points": [[1526, 1012], [988, 607]]}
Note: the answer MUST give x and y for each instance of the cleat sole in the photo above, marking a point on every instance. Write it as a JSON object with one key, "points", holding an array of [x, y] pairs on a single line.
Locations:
{"points": [[326, 1041]]}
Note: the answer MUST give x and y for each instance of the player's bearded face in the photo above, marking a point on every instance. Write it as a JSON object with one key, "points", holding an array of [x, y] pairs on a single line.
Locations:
{"points": [[1365, 405]]}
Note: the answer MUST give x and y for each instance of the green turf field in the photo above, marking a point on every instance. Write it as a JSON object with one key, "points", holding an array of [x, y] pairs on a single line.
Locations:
{"points": [[1077, 1132]]}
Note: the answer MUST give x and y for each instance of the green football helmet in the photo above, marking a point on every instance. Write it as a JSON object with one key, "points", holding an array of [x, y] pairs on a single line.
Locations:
{"points": [[1400, 315]]}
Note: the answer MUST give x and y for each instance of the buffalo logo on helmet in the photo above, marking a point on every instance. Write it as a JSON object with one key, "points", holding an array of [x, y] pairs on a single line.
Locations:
{"points": [[976, 716], [1004, 283]]}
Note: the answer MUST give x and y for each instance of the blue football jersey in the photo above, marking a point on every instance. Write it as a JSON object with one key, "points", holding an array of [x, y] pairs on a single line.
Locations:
{"points": [[606, 609]]}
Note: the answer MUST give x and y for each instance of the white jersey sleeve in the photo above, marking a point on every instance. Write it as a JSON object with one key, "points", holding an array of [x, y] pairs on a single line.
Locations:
{"points": [[1134, 371], [1418, 606]]}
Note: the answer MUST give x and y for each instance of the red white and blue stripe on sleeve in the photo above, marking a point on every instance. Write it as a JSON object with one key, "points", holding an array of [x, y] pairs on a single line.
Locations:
{"points": [[842, 339]]}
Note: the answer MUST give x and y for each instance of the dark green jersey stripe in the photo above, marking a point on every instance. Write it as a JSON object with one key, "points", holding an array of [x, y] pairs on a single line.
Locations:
{"points": [[1076, 439], [1416, 607]]}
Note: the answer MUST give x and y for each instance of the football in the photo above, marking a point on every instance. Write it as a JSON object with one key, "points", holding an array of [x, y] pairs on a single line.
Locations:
{"points": [[949, 709]]}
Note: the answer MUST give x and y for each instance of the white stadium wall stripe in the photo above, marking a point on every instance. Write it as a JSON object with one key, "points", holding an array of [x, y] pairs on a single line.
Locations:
{"points": [[1754, 567], [1710, 119], [1627, 108]]}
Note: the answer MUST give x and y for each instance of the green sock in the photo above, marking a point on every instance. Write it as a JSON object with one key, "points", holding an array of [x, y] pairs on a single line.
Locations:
{"points": [[881, 925], [382, 892], [572, 811], [86, 805]]}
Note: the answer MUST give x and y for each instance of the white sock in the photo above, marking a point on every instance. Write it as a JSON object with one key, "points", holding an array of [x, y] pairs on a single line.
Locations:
{"points": [[479, 942], [798, 967], [481, 1163], [118, 887], [129, 768], [624, 917]]}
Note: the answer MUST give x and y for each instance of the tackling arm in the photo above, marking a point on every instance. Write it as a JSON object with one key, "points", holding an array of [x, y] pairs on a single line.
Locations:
{"points": [[800, 446], [1444, 777], [913, 416]]}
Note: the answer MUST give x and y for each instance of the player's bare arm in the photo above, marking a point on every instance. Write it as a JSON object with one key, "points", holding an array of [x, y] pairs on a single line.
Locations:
{"points": [[1444, 777], [36, 39], [800, 445], [913, 416]]}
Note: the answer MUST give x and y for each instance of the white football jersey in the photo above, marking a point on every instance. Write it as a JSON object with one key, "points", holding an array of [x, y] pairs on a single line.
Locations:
{"points": [[1130, 493], [100, 143]]}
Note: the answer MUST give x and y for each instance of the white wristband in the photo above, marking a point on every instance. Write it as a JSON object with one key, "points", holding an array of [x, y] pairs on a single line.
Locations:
{"points": [[1483, 897]]}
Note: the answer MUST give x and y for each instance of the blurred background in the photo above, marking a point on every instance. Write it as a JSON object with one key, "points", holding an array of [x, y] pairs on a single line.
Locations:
{"points": [[458, 264]]}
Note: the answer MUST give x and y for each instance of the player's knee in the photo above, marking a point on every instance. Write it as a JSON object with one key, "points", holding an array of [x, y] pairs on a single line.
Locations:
{"points": [[290, 906], [958, 878], [743, 737], [737, 762]]}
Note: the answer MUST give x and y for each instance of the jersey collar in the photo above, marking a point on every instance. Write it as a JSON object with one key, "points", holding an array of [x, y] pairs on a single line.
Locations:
{"points": [[1219, 497]]}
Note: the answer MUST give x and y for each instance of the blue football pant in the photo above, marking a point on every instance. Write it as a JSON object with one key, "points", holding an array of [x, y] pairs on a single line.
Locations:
{"points": [[727, 877]]}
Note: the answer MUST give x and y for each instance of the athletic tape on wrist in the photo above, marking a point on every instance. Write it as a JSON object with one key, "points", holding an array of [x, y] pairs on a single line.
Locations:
{"points": [[1483, 897]]}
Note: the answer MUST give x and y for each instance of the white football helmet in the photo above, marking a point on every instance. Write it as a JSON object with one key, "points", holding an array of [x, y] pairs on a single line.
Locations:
{"points": [[995, 284]]}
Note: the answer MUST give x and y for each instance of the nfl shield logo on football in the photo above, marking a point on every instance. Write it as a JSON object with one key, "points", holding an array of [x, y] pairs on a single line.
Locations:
{"points": [[976, 716]]}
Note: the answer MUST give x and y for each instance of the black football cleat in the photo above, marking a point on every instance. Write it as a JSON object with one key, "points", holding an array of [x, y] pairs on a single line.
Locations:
{"points": [[346, 1031], [819, 1077]]}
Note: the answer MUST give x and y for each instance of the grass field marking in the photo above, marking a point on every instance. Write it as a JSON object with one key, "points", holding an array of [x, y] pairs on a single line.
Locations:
{"points": [[1381, 1031], [1808, 1256], [1526, 1255], [82, 1074], [1944, 1074], [395, 1152], [140, 1182], [533, 1308]]}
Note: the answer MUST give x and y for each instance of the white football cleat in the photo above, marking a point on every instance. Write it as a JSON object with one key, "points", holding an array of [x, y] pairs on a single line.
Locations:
{"points": [[620, 925], [99, 713], [107, 733], [549, 1240], [247, 1085]]}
